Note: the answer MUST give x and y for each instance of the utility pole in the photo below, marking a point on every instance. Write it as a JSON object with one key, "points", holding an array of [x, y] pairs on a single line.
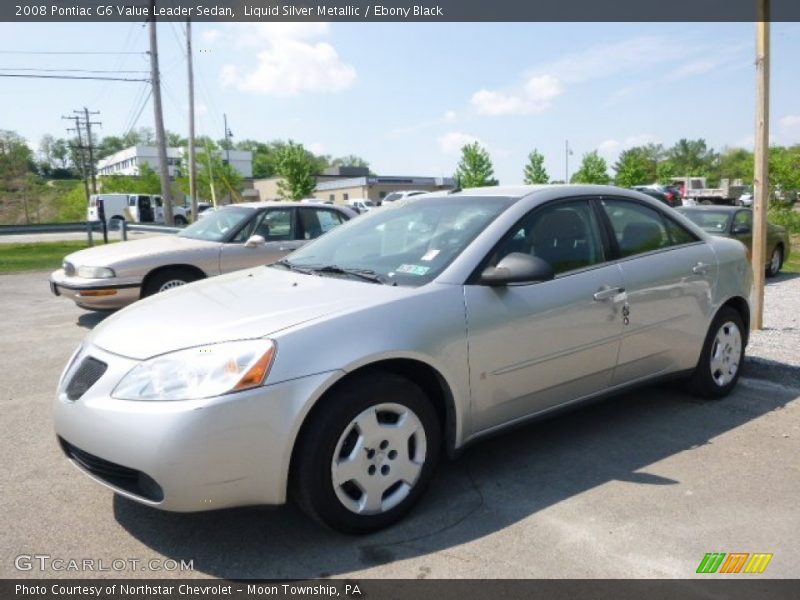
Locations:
{"points": [[155, 78], [192, 164], [761, 175], [567, 152], [87, 123], [79, 151], [228, 135]]}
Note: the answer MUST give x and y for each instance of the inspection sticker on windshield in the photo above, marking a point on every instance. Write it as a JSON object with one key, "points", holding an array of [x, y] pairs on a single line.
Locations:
{"points": [[430, 254], [413, 269]]}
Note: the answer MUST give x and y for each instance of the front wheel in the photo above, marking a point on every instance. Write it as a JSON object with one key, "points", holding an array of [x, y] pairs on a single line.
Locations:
{"points": [[180, 220], [775, 262], [167, 279], [368, 455], [721, 359]]}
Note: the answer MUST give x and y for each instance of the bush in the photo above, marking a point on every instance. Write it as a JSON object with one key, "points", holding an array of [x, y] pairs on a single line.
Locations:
{"points": [[71, 207], [785, 216]]}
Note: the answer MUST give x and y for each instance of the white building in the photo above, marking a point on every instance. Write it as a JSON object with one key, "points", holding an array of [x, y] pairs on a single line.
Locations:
{"points": [[128, 161]]}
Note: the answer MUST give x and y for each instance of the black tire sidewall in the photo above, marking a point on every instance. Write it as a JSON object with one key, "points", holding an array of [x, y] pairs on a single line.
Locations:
{"points": [[702, 382], [770, 272], [155, 282], [314, 469]]}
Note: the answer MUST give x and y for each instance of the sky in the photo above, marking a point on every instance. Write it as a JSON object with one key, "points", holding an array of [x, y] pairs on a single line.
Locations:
{"points": [[407, 96]]}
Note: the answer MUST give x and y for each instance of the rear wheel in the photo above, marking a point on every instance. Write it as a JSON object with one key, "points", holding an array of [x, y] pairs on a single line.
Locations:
{"points": [[180, 220], [365, 460], [167, 279], [775, 262], [721, 360], [115, 223]]}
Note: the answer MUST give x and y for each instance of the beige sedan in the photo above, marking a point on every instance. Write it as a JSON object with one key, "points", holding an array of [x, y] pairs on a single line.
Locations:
{"points": [[234, 237]]}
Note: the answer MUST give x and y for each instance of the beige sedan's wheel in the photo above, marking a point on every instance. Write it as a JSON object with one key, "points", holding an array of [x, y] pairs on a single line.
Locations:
{"points": [[367, 453], [167, 279], [172, 283], [721, 359]]}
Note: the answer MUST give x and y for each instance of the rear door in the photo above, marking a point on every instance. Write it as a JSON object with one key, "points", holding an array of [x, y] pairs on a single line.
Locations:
{"points": [[668, 275], [533, 347], [278, 227]]}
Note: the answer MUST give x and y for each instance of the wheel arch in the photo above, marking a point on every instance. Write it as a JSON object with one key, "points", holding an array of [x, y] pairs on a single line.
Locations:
{"points": [[430, 379], [186, 267], [741, 306]]}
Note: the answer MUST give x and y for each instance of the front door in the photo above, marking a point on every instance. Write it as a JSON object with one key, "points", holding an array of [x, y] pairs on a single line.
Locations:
{"points": [[146, 214], [533, 347], [278, 228]]}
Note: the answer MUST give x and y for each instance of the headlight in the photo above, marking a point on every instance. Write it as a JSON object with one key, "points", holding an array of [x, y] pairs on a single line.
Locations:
{"points": [[199, 372], [95, 272]]}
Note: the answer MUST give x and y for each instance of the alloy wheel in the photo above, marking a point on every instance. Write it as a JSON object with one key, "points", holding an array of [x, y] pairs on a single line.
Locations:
{"points": [[725, 354]]}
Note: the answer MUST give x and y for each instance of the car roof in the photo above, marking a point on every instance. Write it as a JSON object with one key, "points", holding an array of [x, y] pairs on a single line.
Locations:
{"points": [[275, 203], [517, 192]]}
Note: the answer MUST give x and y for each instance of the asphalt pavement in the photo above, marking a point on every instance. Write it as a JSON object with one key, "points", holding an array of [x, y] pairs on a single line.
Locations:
{"points": [[641, 485]]}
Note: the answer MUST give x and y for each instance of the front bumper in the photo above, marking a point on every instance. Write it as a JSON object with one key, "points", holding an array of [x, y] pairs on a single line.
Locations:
{"points": [[190, 455], [103, 294]]}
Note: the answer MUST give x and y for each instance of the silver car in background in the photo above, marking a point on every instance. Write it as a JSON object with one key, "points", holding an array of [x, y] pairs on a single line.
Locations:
{"points": [[341, 373], [226, 239]]}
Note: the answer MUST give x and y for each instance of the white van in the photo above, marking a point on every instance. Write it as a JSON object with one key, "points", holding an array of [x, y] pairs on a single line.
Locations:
{"points": [[133, 208], [361, 205]]}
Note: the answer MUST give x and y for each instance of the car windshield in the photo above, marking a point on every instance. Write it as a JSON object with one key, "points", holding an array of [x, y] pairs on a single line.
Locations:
{"points": [[407, 243], [393, 196], [218, 224], [712, 221]]}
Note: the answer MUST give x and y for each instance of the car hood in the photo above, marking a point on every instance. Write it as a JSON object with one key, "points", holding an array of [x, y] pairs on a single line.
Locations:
{"points": [[109, 255], [241, 305]]}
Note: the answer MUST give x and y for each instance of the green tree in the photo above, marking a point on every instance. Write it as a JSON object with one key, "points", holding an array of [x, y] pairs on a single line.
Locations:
{"points": [[593, 169], [784, 173], [634, 167], [350, 160], [175, 140], [736, 163], [16, 162], [147, 182], [692, 158], [297, 170], [109, 145], [475, 167], [534, 171]]}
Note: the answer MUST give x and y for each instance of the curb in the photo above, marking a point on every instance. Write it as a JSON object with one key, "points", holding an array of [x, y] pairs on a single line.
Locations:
{"points": [[776, 372]]}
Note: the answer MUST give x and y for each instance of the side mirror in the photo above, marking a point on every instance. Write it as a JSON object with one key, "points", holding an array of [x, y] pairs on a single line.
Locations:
{"points": [[741, 229], [517, 268], [255, 241]]}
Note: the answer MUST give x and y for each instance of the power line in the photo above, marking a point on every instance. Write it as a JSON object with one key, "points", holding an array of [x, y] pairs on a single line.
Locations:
{"points": [[61, 52], [37, 70], [31, 76], [139, 114]]}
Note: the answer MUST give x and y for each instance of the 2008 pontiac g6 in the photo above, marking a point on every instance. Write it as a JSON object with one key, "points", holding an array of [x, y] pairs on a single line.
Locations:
{"points": [[339, 375]]}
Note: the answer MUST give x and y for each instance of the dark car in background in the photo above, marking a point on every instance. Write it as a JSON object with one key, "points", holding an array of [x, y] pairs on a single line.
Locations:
{"points": [[668, 194], [737, 223]]}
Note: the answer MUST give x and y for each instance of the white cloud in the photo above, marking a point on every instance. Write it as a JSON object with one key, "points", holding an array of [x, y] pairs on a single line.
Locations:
{"points": [[453, 141], [288, 63], [450, 116], [534, 98]]}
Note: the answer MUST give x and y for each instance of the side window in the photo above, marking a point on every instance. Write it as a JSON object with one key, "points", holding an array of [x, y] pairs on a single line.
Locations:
{"points": [[743, 222], [565, 234], [678, 234], [276, 225], [158, 201], [316, 222], [248, 230], [638, 228]]}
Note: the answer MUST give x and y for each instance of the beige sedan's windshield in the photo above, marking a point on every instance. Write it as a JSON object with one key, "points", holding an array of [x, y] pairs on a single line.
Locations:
{"points": [[217, 226]]}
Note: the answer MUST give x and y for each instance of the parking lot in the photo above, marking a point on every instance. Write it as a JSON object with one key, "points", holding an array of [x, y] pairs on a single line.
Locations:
{"points": [[642, 485]]}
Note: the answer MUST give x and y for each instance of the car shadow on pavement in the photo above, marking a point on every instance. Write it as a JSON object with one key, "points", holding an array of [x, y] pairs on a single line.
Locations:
{"points": [[90, 320], [491, 486], [781, 277]]}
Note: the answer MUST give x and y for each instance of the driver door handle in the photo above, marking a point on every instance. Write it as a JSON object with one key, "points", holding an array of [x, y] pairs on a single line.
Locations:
{"points": [[701, 268], [606, 293]]}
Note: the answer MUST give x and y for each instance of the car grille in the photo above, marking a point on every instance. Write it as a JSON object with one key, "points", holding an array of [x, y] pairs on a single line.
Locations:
{"points": [[86, 375], [124, 478], [69, 268]]}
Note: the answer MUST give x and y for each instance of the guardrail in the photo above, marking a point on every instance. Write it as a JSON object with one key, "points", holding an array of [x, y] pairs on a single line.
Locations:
{"points": [[89, 227]]}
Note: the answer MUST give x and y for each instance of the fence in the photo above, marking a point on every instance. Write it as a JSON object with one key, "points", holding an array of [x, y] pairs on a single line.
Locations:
{"points": [[90, 227]]}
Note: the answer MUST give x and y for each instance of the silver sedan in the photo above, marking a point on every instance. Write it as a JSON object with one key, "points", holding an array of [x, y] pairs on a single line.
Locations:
{"points": [[233, 237], [343, 372]]}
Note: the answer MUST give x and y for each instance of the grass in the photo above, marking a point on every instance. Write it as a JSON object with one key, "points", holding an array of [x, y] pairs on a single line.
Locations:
{"points": [[15, 258], [792, 264]]}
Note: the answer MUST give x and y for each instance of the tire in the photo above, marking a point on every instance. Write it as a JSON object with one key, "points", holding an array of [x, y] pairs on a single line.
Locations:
{"points": [[115, 223], [775, 262], [356, 423], [180, 220], [721, 359], [168, 279]]}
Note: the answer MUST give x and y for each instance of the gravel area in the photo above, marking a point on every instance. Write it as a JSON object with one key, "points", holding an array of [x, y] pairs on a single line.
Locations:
{"points": [[777, 346]]}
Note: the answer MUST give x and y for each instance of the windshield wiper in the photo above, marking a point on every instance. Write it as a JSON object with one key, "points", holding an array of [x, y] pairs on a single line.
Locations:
{"points": [[291, 266], [365, 274]]}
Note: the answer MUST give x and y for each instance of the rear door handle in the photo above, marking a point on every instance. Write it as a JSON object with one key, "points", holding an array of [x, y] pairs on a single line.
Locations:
{"points": [[701, 268], [606, 293]]}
